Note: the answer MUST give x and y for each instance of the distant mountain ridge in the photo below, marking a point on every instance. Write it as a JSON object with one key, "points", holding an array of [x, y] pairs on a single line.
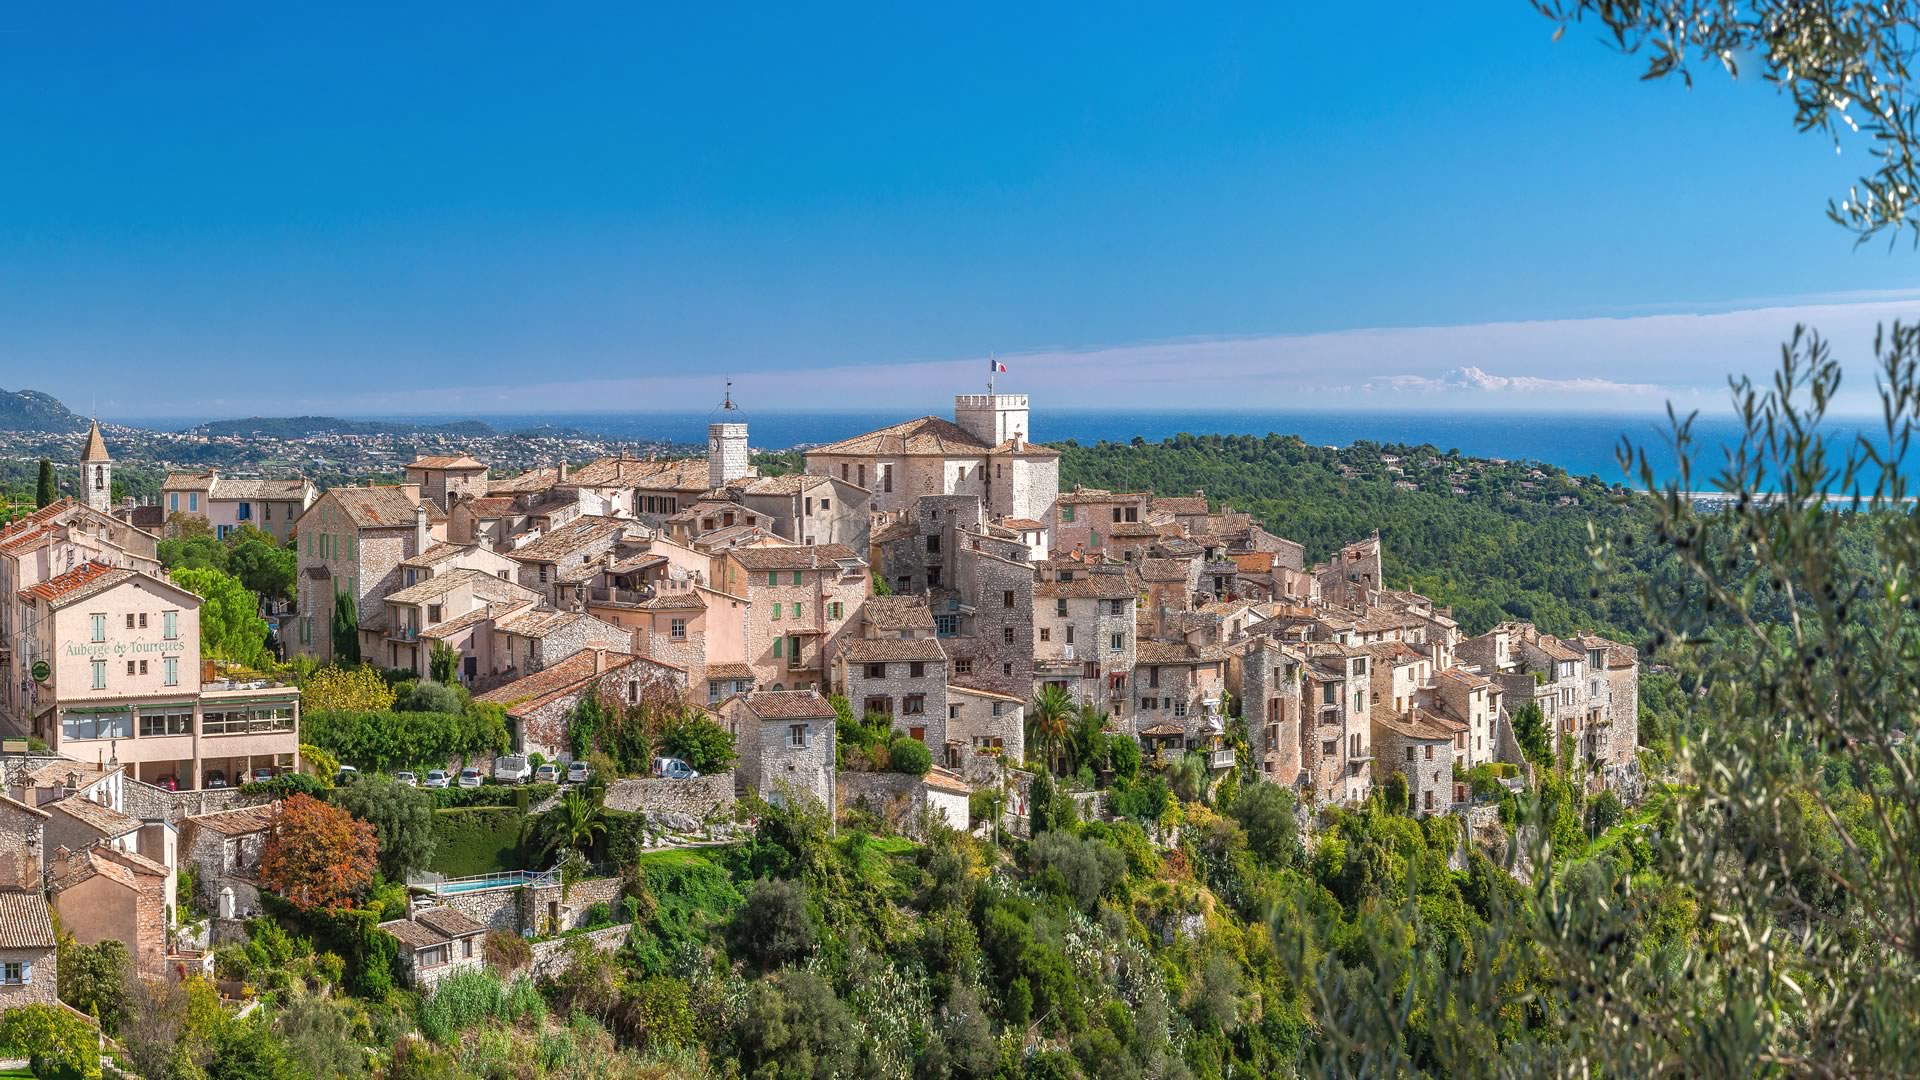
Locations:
{"points": [[31, 410], [299, 427]]}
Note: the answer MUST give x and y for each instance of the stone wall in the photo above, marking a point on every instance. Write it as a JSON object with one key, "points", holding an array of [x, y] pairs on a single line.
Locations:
{"points": [[899, 682], [585, 633], [40, 988], [552, 958], [1424, 775], [22, 848], [499, 909], [698, 798], [1004, 668], [150, 803]]}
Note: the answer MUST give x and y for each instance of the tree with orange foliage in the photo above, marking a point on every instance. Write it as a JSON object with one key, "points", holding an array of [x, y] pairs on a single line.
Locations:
{"points": [[317, 855]]}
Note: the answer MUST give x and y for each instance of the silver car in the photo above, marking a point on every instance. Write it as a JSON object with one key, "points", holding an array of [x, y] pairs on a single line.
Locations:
{"points": [[438, 778], [471, 778]]}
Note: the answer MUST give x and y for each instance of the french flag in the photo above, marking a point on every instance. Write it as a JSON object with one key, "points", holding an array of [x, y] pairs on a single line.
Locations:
{"points": [[996, 367]]}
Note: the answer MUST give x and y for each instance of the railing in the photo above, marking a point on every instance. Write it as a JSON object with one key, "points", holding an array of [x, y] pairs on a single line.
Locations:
{"points": [[619, 596], [506, 879], [1220, 759]]}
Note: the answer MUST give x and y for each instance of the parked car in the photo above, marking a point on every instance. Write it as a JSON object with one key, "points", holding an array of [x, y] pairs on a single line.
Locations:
{"points": [[548, 773], [167, 783], [261, 776], [512, 769], [577, 772], [672, 768], [346, 775], [216, 779], [438, 778], [407, 778], [471, 778]]}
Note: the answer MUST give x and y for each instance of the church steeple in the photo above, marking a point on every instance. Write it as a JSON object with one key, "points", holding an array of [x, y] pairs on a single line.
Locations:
{"points": [[96, 471]]}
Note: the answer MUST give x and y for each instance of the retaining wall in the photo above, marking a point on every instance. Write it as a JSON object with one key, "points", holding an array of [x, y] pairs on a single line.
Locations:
{"points": [[552, 957], [699, 798]]}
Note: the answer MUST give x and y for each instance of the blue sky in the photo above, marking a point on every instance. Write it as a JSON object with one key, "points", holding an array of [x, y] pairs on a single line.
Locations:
{"points": [[230, 209]]}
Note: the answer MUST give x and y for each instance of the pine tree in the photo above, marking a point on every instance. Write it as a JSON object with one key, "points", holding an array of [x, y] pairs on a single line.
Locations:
{"points": [[43, 492]]}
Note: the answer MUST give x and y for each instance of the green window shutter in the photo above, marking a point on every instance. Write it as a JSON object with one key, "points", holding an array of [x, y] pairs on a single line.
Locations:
{"points": [[776, 611], [1066, 513], [773, 577], [779, 647], [796, 611], [796, 577]]}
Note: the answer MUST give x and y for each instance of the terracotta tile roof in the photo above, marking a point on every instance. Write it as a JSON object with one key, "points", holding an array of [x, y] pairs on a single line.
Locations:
{"points": [[490, 507], [259, 490], [484, 585], [238, 822], [1184, 505], [1165, 570], [60, 771], [555, 680], [941, 779], [104, 820], [1099, 495], [189, 481], [34, 523], [385, 507], [529, 481], [1619, 657], [1558, 649], [450, 627], [568, 539], [1165, 652], [962, 688], [1023, 524], [879, 650], [413, 935], [897, 613], [1464, 677], [793, 556], [1254, 562], [1419, 723], [1085, 585], [148, 517], [446, 461], [790, 484], [925, 436], [1394, 650], [437, 554], [729, 671], [24, 921], [452, 922], [1163, 730], [82, 581], [898, 530], [789, 705], [674, 601]]}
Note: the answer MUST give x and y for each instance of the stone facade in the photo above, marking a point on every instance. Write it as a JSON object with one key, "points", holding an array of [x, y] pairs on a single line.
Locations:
{"points": [[26, 939], [900, 799], [983, 729], [905, 681], [552, 958], [786, 743], [802, 602], [1084, 630], [1420, 751], [700, 798], [107, 895], [225, 850], [23, 848], [1269, 696]]}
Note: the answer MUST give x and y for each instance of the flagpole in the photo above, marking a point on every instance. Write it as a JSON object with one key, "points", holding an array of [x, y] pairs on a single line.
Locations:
{"points": [[993, 369]]}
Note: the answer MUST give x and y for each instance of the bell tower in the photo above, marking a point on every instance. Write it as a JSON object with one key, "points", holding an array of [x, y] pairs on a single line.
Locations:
{"points": [[96, 472]]}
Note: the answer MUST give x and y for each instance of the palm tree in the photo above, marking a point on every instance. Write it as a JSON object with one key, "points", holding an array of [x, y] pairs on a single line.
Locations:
{"points": [[1083, 736], [573, 825], [1052, 712]]}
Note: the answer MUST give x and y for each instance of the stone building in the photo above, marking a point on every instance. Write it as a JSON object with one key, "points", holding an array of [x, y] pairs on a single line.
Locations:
{"points": [[785, 739], [414, 613], [561, 562], [985, 451], [1269, 683], [107, 894], [352, 542], [224, 849], [444, 478], [1586, 689], [29, 964], [531, 639], [1418, 744], [77, 823], [984, 729], [1352, 578], [1084, 634], [802, 602], [539, 706], [1336, 748], [1477, 702], [904, 680], [23, 844], [228, 504], [436, 943], [1613, 702], [1174, 682], [810, 509]]}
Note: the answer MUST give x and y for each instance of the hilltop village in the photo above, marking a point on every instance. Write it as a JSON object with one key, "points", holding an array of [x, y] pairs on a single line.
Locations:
{"points": [[929, 580]]}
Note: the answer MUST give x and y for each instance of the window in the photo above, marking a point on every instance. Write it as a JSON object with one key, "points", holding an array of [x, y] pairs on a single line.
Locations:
{"points": [[1090, 670], [797, 736], [1006, 634], [913, 705], [1146, 704], [129, 620], [1066, 513], [793, 654], [143, 620], [466, 948], [1360, 665], [997, 707], [1429, 752], [1409, 753], [1006, 598], [843, 470], [1179, 706], [933, 544], [886, 478], [143, 667], [779, 647], [166, 723], [933, 576], [678, 630], [1329, 748], [1326, 695], [173, 501], [776, 612], [633, 693], [543, 573], [1116, 515], [99, 627], [946, 625], [171, 665], [99, 674], [1060, 608], [835, 609], [1429, 798], [81, 725], [917, 669], [193, 500], [1117, 643], [1006, 668], [773, 578], [1046, 633], [876, 671], [963, 666], [796, 610], [130, 667], [796, 577], [14, 973], [1153, 678], [1069, 633], [1116, 607], [863, 474], [433, 614]]}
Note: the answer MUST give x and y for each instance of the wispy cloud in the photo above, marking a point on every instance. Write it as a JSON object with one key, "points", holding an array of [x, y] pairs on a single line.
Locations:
{"points": [[1474, 379]]}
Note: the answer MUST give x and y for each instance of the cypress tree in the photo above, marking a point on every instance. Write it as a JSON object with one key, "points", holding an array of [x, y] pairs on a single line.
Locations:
{"points": [[346, 631], [43, 492]]}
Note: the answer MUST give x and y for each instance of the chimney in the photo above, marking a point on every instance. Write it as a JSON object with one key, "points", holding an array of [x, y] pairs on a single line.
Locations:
{"points": [[599, 661], [421, 540], [563, 470]]}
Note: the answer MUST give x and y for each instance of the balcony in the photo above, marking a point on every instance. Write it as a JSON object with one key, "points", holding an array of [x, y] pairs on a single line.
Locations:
{"points": [[604, 595], [404, 633], [1220, 759]]}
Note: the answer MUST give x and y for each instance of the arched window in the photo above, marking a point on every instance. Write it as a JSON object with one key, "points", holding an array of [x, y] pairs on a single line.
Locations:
{"points": [[99, 476]]}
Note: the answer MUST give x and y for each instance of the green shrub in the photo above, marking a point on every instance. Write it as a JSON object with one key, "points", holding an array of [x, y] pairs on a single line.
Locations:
{"points": [[909, 755], [774, 926], [477, 840], [430, 697], [461, 1001]]}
